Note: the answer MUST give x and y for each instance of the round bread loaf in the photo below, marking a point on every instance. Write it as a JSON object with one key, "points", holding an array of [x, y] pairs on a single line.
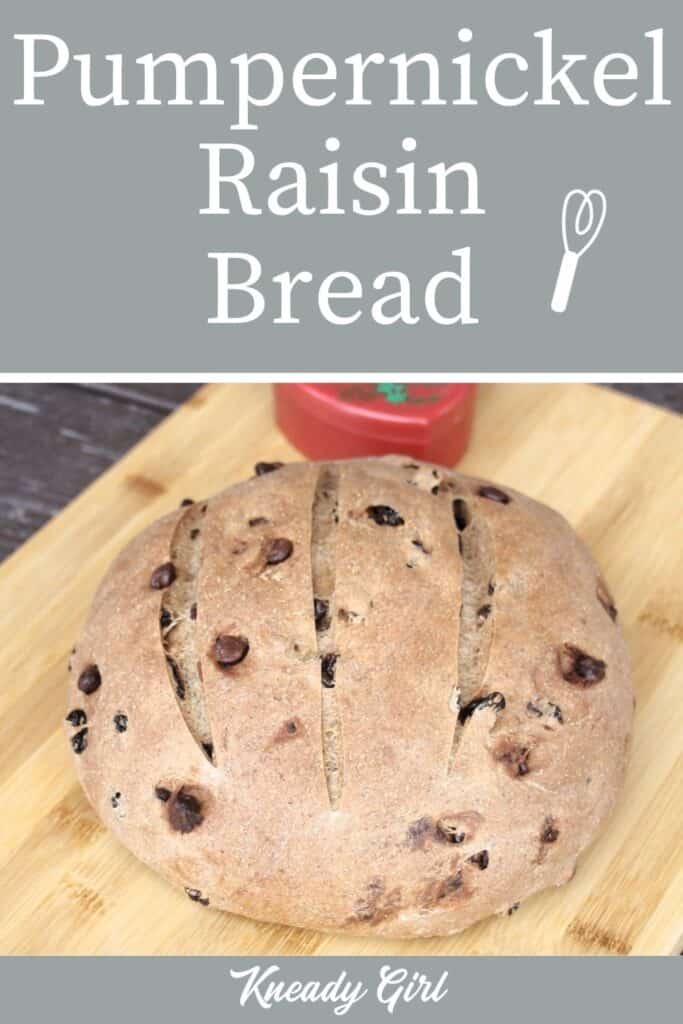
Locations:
{"points": [[371, 696]]}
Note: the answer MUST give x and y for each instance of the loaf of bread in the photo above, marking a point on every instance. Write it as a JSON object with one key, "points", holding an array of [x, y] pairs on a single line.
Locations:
{"points": [[367, 696]]}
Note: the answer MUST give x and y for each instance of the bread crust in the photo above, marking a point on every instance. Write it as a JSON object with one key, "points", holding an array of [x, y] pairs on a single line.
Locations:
{"points": [[450, 808]]}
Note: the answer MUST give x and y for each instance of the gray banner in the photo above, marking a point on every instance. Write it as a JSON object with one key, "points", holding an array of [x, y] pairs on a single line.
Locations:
{"points": [[105, 253], [433, 989]]}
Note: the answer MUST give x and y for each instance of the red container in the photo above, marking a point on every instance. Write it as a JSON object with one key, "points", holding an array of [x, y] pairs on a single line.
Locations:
{"points": [[345, 420]]}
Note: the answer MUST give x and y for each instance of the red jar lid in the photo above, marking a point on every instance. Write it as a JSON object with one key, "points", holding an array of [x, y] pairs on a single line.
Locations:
{"points": [[346, 420]]}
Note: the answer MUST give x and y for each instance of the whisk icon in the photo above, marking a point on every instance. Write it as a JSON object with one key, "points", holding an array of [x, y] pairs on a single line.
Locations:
{"points": [[583, 214]]}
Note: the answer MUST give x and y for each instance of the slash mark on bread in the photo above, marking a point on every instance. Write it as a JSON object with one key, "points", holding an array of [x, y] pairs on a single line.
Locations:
{"points": [[179, 628], [324, 519], [476, 619]]}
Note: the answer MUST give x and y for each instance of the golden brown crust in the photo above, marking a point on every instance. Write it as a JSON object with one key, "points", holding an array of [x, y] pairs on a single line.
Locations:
{"points": [[453, 801]]}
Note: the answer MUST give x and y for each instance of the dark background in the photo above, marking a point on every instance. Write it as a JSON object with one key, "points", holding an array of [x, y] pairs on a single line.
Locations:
{"points": [[56, 438]]}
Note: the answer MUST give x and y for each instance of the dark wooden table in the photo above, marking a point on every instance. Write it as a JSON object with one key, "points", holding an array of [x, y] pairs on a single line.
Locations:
{"points": [[56, 438]]}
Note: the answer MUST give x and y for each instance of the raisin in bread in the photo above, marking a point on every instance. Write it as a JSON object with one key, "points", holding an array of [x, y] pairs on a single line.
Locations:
{"points": [[373, 696]]}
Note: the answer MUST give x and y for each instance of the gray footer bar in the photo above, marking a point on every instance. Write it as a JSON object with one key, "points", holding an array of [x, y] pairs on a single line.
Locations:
{"points": [[547, 990]]}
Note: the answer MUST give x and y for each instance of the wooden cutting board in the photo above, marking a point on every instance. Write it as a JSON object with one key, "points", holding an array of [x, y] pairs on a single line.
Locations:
{"points": [[611, 464]]}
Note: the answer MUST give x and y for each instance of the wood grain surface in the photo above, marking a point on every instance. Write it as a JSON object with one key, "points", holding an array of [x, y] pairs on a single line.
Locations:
{"points": [[611, 464], [55, 439]]}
